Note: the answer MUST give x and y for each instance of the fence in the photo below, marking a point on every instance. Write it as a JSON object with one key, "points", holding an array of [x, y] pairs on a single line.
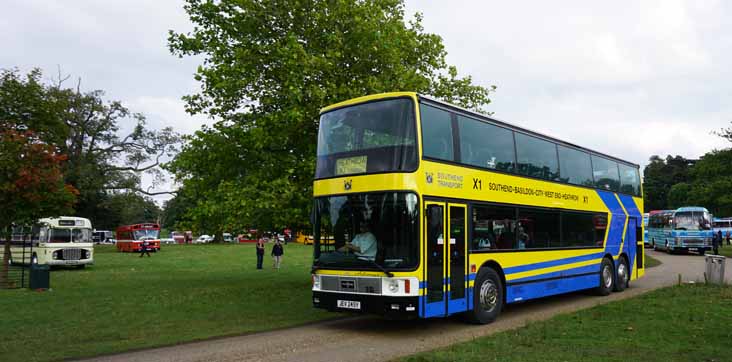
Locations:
{"points": [[15, 272]]}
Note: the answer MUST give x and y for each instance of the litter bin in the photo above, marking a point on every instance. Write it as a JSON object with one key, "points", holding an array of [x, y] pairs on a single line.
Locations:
{"points": [[715, 268], [39, 276]]}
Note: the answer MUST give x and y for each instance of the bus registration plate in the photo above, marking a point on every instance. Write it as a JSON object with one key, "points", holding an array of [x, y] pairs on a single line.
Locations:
{"points": [[349, 304]]}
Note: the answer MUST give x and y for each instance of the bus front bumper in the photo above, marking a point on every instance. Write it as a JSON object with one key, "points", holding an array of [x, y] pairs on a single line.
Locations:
{"points": [[71, 262], [393, 307]]}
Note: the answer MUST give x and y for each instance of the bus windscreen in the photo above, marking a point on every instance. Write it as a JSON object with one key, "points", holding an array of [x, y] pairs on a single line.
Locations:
{"points": [[367, 138]]}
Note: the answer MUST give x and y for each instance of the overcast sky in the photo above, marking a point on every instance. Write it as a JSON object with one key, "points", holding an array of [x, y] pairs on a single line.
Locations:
{"points": [[630, 79]]}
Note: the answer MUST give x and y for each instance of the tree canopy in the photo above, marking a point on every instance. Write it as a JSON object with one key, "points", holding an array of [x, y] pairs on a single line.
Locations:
{"points": [[31, 184], [676, 181], [268, 67], [100, 160]]}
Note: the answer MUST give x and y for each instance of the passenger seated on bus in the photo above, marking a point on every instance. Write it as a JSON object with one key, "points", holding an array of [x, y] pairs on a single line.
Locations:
{"points": [[486, 240], [363, 244], [523, 238], [507, 236]]}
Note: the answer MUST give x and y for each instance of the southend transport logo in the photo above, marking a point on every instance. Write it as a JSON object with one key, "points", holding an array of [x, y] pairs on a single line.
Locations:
{"points": [[429, 177], [347, 184]]}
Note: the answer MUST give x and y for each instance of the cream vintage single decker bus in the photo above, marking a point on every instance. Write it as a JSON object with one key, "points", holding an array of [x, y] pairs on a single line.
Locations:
{"points": [[66, 240]]}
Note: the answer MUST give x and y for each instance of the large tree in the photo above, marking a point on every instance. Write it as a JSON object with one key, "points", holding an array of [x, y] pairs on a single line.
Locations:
{"points": [[268, 67], [658, 178], [31, 184], [88, 130]]}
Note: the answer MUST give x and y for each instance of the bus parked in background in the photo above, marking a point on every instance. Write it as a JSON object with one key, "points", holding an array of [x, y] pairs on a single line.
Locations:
{"points": [[646, 242], [658, 223], [130, 237], [724, 225], [103, 237], [682, 230], [65, 240], [424, 209]]}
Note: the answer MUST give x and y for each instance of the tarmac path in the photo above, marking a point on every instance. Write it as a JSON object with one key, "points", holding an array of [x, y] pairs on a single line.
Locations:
{"points": [[370, 338]]}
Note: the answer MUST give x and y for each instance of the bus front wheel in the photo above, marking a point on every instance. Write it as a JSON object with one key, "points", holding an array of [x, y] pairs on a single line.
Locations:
{"points": [[623, 275], [487, 297], [607, 277]]}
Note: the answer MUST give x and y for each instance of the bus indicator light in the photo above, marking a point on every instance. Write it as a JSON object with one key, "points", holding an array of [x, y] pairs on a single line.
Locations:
{"points": [[472, 268], [407, 287]]}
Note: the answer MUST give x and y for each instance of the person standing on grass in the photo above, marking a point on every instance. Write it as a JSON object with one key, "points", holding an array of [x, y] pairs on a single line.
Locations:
{"points": [[716, 240], [260, 253], [277, 251], [728, 235], [145, 248]]}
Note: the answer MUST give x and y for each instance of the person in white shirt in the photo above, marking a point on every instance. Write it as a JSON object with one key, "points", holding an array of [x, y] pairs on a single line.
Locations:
{"points": [[363, 244]]}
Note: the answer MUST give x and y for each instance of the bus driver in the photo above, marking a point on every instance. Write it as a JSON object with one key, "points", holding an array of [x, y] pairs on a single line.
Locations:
{"points": [[363, 244]]}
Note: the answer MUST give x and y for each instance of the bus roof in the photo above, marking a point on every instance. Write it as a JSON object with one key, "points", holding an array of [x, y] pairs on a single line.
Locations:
{"points": [[144, 226], [654, 212], [691, 208], [496, 121], [66, 222]]}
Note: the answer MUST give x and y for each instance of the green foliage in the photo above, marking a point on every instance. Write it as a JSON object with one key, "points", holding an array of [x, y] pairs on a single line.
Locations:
{"points": [[679, 196], [31, 184], [712, 182], [269, 66], [677, 182], [85, 128], [658, 177], [125, 208]]}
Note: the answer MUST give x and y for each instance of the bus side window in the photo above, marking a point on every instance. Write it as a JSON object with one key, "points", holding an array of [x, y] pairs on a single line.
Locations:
{"points": [[436, 133]]}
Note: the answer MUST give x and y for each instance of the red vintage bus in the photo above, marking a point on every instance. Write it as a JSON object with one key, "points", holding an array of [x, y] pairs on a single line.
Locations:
{"points": [[130, 237]]}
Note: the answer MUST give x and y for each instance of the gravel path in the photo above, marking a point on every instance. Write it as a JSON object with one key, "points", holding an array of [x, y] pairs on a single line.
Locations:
{"points": [[373, 339]]}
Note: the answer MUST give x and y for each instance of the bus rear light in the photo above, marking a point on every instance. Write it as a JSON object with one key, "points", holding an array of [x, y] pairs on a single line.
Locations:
{"points": [[407, 286]]}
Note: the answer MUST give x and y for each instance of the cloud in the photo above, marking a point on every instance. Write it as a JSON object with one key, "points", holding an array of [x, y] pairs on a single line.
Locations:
{"points": [[168, 112], [628, 79]]}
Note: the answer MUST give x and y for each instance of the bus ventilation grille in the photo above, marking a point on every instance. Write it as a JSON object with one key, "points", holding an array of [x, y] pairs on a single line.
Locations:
{"points": [[71, 254]]}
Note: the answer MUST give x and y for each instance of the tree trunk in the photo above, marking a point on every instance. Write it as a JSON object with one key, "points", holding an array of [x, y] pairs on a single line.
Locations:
{"points": [[4, 281]]}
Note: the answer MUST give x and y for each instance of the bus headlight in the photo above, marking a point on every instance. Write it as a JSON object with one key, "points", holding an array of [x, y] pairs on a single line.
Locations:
{"points": [[316, 281], [393, 286]]}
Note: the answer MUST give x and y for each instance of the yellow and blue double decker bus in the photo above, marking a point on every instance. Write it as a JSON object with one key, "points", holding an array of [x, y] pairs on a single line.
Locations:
{"points": [[431, 210]]}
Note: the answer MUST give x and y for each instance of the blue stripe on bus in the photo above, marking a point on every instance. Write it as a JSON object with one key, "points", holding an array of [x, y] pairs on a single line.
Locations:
{"points": [[517, 293], [616, 225], [561, 273], [630, 206], [611, 202], [551, 263]]}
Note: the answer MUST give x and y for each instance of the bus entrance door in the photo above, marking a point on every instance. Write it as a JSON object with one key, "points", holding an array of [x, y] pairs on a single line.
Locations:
{"points": [[446, 259]]}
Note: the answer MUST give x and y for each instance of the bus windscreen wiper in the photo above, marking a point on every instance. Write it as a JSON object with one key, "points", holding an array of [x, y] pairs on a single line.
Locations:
{"points": [[388, 273]]}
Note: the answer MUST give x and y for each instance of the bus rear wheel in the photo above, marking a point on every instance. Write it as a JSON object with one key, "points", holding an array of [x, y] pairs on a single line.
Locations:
{"points": [[607, 278], [623, 275], [487, 297]]}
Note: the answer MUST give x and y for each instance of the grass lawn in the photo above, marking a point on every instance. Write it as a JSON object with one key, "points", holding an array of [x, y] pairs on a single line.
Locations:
{"points": [[183, 293], [726, 250], [681, 323]]}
